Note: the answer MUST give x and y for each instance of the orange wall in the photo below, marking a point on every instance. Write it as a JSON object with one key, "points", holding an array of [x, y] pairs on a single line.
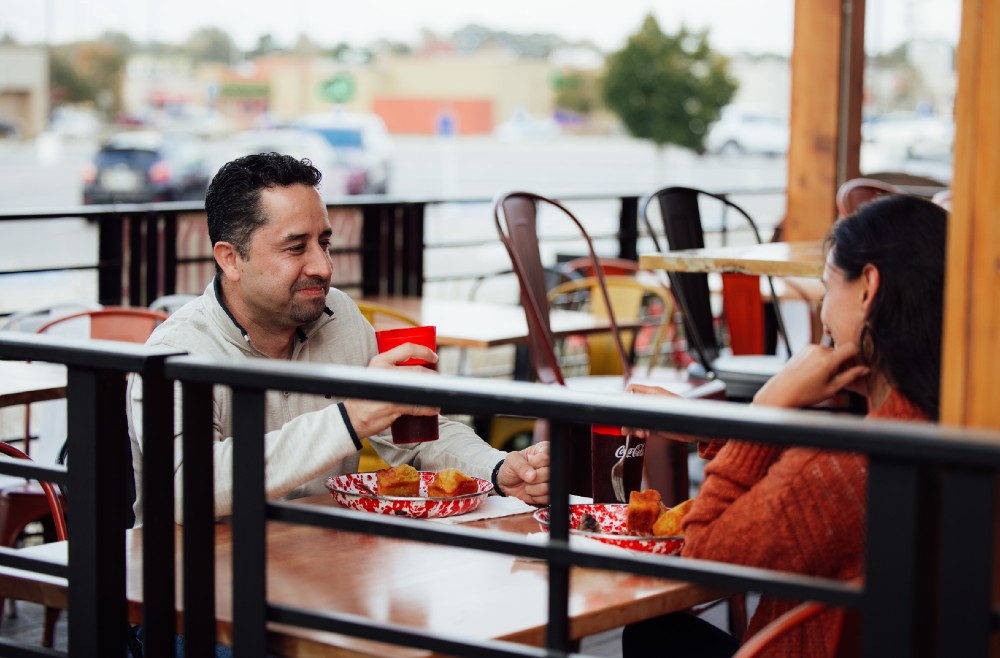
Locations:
{"points": [[420, 116]]}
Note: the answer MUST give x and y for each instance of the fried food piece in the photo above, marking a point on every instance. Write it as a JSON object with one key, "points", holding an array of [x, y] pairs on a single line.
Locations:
{"points": [[588, 523], [669, 523], [451, 482], [644, 507], [403, 480]]}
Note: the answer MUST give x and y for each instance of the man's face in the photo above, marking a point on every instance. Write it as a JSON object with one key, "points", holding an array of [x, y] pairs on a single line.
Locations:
{"points": [[287, 274]]}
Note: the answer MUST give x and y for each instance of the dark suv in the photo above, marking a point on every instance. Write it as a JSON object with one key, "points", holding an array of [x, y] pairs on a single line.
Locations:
{"points": [[143, 166]]}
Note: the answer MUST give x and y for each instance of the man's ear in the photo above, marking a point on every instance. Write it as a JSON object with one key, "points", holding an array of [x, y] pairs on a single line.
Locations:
{"points": [[228, 259], [871, 278]]}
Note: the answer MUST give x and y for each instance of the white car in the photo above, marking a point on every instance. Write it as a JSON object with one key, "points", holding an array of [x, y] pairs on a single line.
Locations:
{"points": [[742, 131], [297, 143], [362, 144]]}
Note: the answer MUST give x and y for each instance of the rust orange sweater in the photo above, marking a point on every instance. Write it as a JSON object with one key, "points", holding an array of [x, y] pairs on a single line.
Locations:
{"points": [[794, 509]]}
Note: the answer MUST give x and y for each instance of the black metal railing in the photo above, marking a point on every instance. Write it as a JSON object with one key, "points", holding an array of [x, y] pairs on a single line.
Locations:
{"points": [[931, 507], [145, 251]]}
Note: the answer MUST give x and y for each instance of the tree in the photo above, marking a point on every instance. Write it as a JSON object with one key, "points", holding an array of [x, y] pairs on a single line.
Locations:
{"points": [[210, 44], [668, 89]]}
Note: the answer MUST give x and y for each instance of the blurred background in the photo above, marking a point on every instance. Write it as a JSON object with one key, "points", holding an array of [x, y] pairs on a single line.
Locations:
{"points": [[439, 98]]}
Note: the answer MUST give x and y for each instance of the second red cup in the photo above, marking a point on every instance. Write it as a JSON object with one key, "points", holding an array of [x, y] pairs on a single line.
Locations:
{"points": [[411, 429]]}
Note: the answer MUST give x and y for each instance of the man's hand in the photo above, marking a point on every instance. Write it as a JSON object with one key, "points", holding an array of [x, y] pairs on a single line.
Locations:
{"points": [[525, 474], [372, 416]]}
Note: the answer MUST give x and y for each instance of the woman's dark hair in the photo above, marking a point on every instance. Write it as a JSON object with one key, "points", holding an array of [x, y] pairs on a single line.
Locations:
{"points": [[233, 199], [904, 238]]}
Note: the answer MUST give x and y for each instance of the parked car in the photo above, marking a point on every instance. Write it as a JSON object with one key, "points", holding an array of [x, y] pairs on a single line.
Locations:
{"points": [[910, 134], [362, 144], [741, 130], [144, 166], [297, 143]]}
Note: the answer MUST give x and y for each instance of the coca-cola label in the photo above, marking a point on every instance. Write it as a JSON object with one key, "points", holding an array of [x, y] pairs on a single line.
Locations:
{"points": [[635, 451]]}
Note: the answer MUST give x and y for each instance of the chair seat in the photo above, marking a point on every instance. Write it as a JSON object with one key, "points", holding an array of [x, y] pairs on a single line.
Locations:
{"points": [[745, 374]]}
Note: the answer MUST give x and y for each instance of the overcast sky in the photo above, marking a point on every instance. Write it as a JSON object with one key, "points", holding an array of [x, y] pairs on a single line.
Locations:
{"points": [[736, 25]]}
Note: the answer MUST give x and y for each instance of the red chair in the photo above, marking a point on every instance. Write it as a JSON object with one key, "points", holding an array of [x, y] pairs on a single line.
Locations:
{"points": [[19, 515], [849, 637], [858, 191]]}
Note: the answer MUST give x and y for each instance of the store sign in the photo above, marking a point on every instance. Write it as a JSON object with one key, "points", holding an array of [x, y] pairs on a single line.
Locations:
{"points": [[338, 89]]}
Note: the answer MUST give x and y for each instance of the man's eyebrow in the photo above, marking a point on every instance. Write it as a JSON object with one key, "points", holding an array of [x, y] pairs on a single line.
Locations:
{"points": [[294, 237]]}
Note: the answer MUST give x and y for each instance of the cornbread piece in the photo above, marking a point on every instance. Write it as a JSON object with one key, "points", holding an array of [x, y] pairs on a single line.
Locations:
{"points": [[644, 507], [588, 523], [401, 480], [451, 482], [669, 523]]}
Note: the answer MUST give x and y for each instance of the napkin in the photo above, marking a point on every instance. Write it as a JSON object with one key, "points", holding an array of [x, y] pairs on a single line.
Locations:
{"points": [[493, 507]]}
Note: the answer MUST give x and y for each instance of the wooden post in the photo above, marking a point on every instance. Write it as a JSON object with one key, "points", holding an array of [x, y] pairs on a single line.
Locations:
{"points": [[970, 372], [827, 78]]}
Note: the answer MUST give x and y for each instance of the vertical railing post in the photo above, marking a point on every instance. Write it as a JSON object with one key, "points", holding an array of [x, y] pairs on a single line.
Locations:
{"points": [[199, 520], [159, 571], [373, 251], [96, 512], [892, 561], [412, 261], [110, 252], [628, 228], [249, 526], [557, 630], [968, 511]]}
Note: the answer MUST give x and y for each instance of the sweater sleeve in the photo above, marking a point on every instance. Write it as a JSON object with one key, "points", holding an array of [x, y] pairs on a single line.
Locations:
{"points": [[796, 510]]}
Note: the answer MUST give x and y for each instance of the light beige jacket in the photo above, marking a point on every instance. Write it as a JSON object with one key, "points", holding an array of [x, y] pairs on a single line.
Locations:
{"points": [[307, 440]]}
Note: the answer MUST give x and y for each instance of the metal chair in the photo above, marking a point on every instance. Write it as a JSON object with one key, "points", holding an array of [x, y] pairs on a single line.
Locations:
{"points": [[384, 317], [52, 515], [680, 212], [24, 504], [848, 632], [857, 192]]}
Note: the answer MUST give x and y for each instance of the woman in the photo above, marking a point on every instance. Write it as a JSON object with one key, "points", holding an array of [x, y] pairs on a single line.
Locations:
{"points": [[803, 509]]}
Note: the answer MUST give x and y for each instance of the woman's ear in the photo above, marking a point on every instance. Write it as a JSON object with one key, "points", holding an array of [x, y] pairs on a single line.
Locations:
{"points": [[228, 259], [870, 278]]}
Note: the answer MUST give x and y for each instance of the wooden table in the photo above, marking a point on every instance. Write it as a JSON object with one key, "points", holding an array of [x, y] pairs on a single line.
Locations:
{"points": [[791, 259], [484, 325], [443, 589], [24, 383]]}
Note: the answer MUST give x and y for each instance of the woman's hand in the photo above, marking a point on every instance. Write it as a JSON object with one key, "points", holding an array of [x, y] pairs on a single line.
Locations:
{"points": [[645, 434], [814, 374]]}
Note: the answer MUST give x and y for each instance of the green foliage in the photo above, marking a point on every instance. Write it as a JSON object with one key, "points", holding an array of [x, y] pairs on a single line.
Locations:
{"points": [[668, 89], [89, 72]]}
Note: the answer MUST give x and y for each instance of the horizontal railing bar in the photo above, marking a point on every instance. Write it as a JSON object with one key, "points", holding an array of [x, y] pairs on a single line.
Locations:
{"points": [[79, 352], [30, 470], [908, 441], [711, 574], [373, 630], [15, 559]]}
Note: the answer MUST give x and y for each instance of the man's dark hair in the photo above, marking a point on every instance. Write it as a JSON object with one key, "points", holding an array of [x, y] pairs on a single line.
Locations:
{"points": [[233, 200], [904, 237]]}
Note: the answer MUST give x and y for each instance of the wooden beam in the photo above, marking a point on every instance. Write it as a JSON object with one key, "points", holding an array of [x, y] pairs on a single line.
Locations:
{"points": [[971, 369], [827, 79]]}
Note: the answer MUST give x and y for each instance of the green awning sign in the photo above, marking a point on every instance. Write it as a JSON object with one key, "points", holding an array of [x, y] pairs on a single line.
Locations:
{"points": [[338, 89]]}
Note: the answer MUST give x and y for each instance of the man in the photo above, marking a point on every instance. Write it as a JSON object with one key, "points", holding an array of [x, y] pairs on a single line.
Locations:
{"points": [[271, 298]]}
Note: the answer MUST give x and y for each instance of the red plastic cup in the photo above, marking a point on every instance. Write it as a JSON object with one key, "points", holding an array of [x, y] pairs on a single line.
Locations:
{"points": [[411, 429], [607, 445]]}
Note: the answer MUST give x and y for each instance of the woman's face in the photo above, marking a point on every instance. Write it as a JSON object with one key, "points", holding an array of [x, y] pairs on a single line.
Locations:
{"points": [[844, 305]]}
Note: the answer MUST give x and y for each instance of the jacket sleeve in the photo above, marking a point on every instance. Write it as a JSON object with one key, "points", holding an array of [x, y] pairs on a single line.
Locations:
{"points": [[293, 454]]}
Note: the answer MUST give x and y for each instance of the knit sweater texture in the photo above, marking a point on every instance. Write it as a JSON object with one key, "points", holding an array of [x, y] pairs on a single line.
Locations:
{"points": [[795, 509]]}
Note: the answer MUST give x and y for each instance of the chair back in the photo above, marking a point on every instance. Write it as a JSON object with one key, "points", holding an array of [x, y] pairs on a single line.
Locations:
{"points": [[384, 317], [631, 301], [680, 212], [516, 217], [130, 325], [582, 266], [857, 192], [55, 505], [848, 630]]}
